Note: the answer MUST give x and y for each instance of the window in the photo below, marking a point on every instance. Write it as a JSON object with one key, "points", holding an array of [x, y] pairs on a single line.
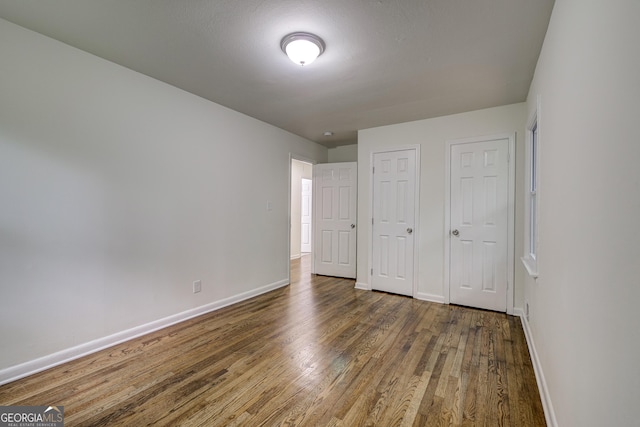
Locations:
{"points": [[533, 189], [530, 258]]}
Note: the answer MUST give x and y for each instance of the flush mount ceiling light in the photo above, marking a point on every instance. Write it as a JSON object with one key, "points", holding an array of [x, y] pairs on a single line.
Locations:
{"points": [[302, 48]]}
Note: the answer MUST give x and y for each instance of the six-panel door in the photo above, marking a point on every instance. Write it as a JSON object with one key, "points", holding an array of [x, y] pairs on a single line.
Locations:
{"points": [[335, 200], [394, 177], [478, 221]]}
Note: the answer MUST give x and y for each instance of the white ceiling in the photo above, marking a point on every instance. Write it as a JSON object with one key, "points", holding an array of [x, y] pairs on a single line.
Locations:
{"points": [[386, 61]]}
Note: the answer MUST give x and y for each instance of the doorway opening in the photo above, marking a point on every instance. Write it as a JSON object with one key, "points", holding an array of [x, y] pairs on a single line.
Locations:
{"points": [[301, 208], [322, 226]]}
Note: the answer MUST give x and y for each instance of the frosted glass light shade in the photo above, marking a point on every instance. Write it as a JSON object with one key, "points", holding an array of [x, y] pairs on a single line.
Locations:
{"points": [[302, 48], [302, 52]]}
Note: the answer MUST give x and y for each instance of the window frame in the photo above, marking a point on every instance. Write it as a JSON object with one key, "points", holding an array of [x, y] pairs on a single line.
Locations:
{"points": [[532, 189]]}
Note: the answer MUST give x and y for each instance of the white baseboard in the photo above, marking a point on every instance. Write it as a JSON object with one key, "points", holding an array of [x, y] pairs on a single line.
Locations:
{"points": [[31, 367], [547, 406], [296, 256], [429, 297], [363, 286]]}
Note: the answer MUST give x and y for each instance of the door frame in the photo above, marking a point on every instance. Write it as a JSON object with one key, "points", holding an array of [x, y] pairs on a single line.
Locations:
{"points": [[511, 137], [416, 219], [293, 156]]}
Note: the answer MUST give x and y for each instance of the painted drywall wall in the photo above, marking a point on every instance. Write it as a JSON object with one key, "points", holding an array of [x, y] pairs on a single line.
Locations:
{"points": [[299, 170], [344, 153], [118, 191], [583, 306], [432, 135]]}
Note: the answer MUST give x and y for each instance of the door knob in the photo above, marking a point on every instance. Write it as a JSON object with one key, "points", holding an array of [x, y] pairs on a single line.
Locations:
{"points": [[409, 230], [353, 226], [455, 233]]}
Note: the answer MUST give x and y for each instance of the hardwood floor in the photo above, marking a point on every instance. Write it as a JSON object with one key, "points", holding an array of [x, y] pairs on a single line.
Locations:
{"points": [[315, 353]]}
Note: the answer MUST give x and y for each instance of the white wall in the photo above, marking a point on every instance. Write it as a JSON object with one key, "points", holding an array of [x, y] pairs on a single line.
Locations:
{"points": [[432, 135], [584, 305], [299, 170], [343, 153], [117, 191]]}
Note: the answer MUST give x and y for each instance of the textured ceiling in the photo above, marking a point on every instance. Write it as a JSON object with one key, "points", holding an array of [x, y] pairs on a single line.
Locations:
{"points": [[386, 61]]}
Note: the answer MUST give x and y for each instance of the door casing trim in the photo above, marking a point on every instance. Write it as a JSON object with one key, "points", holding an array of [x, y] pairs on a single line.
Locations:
{"points": [[511, 137]]}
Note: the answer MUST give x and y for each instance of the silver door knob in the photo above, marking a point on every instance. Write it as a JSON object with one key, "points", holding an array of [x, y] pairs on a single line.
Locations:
{"points": [[353, 226], [455, 233], [409, 230]]}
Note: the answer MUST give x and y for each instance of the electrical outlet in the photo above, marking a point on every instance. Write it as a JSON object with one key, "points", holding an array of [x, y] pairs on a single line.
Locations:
{"points": [[197, 286]]}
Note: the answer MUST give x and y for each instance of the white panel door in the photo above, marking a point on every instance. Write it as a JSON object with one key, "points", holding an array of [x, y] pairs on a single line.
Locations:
{"points": [[394, 183], [334, 204], [305, 227], [478, 270]]}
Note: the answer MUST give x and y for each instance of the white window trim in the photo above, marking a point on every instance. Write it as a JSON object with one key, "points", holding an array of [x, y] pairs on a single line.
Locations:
{"points": [[530, 260]]}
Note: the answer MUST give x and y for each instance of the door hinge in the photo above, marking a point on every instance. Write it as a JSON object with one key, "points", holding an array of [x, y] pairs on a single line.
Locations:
{"points": [[373, 169], [371, 220], [372, 271]]}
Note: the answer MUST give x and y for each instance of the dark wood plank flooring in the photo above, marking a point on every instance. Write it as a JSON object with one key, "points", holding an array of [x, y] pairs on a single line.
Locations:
{"points": [[315, 353]]}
